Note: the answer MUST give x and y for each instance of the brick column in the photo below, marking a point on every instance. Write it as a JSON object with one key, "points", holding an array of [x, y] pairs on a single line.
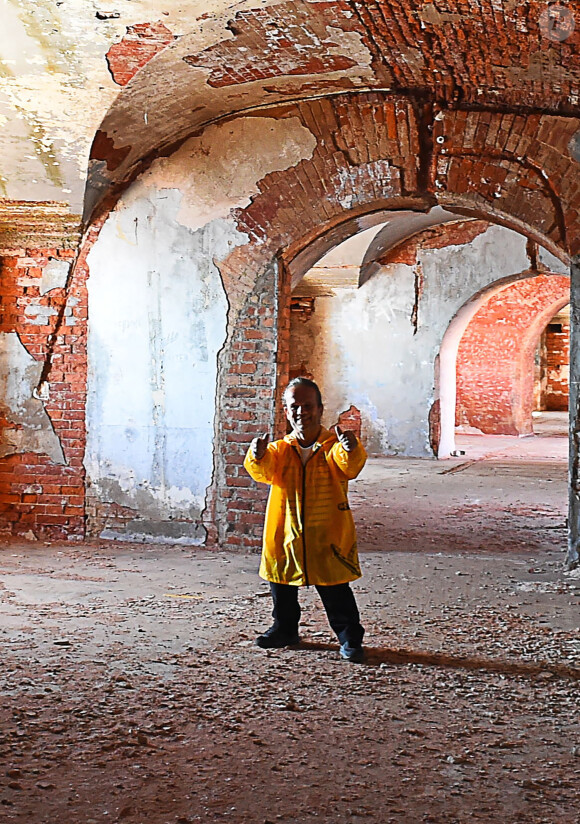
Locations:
{"points": [[246, 407], [573, 557]]}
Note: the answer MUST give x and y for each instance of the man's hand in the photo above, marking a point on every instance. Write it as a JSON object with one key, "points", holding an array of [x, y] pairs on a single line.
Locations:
{"points": [[258, 446], [347, 439]]}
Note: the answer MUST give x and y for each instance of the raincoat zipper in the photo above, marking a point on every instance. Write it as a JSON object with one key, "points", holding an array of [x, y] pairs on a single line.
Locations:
{"points": [[304, 522], [303, 511]]}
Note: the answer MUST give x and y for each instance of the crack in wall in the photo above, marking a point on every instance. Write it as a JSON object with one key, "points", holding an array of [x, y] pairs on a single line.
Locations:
{"points": [[418, 286]]}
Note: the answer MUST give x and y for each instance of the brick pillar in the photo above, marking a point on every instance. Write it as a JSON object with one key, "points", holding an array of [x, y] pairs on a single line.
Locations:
{"points": [[247, 392], [282, 347], [573, 557]]}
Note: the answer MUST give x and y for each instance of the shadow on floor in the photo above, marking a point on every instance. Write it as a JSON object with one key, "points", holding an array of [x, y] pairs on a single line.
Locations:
{"points": [[380, 655]]}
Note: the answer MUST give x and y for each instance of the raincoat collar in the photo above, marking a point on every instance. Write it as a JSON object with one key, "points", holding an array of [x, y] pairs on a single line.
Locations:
{"points": [[323, 436]]}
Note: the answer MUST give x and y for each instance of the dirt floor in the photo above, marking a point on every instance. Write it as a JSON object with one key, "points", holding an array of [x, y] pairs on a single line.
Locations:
{"points": [[133, 692]]}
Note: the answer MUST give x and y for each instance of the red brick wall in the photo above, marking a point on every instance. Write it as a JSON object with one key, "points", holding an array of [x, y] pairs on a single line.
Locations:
{"points": [[37, 495], [558, 364], [373, 152], [351, 419], [495, 368], [253, 373]]}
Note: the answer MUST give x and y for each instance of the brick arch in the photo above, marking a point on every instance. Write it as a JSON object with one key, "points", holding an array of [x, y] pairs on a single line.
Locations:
{"points": [[236, 60], [372, 153], [368, 159], [495, 356], [489, 348], [378, 150]]}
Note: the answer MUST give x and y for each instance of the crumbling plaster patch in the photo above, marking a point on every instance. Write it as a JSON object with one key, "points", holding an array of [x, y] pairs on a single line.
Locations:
{"points": [[54, 275], [220, 170], [350, 43], [552, 263], [157, 320], [263, 53], [19, 375], [188, 102]]}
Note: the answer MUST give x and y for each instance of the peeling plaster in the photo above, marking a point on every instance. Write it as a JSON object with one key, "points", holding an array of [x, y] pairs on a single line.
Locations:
{"points": [[33, 430], [350, 43], [55, 83], [220, 170], [54, 275], [430, 14], [139, 45], [56, 88], [157, 320], [552, 263]]}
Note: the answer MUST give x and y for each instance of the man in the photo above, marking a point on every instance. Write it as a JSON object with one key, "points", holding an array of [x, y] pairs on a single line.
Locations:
{"points": [[309, 534]]}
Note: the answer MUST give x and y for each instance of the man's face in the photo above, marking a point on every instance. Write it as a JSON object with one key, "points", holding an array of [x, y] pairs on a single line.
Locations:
{"points": [[303, 412]]}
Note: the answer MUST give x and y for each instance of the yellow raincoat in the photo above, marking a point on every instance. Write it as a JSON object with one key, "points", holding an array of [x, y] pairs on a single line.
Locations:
{"points": [[309, 534]]}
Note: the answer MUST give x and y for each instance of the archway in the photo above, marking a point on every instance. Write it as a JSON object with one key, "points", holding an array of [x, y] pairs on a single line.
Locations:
{"points": [[552, 361], [316, 180], [495, 360]]}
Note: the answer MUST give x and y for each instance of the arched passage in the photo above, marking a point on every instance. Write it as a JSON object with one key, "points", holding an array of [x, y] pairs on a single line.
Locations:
{"points": [[254, 197], [495, 365], [500, 355], [372, 346], [312, 178], [552, 360]]}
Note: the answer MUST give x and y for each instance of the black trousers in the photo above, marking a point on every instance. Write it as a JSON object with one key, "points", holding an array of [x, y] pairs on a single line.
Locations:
{"points": [[339, 603]]}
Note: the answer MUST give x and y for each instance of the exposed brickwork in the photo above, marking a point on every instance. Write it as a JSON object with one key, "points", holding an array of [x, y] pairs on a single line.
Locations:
{"points": [[435, 426], [495, 372], [557, 340], [302, 309], [142, 42], [512, 166], [104, 148], [351, 419], [284, 304], [36, 494], [248, 386], [434, 138], [441, 56], [101, 515], [266, 41], [372, 154], [25, 225], [367, 158], [478, 53], [464, 231]]}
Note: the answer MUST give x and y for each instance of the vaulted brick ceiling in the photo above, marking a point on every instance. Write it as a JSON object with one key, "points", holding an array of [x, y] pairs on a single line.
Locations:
{"points": [[494, 55]]}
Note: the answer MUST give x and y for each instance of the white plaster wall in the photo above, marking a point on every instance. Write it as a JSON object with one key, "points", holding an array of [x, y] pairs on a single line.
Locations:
{"points": [[157, 320], [361, 344]]}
